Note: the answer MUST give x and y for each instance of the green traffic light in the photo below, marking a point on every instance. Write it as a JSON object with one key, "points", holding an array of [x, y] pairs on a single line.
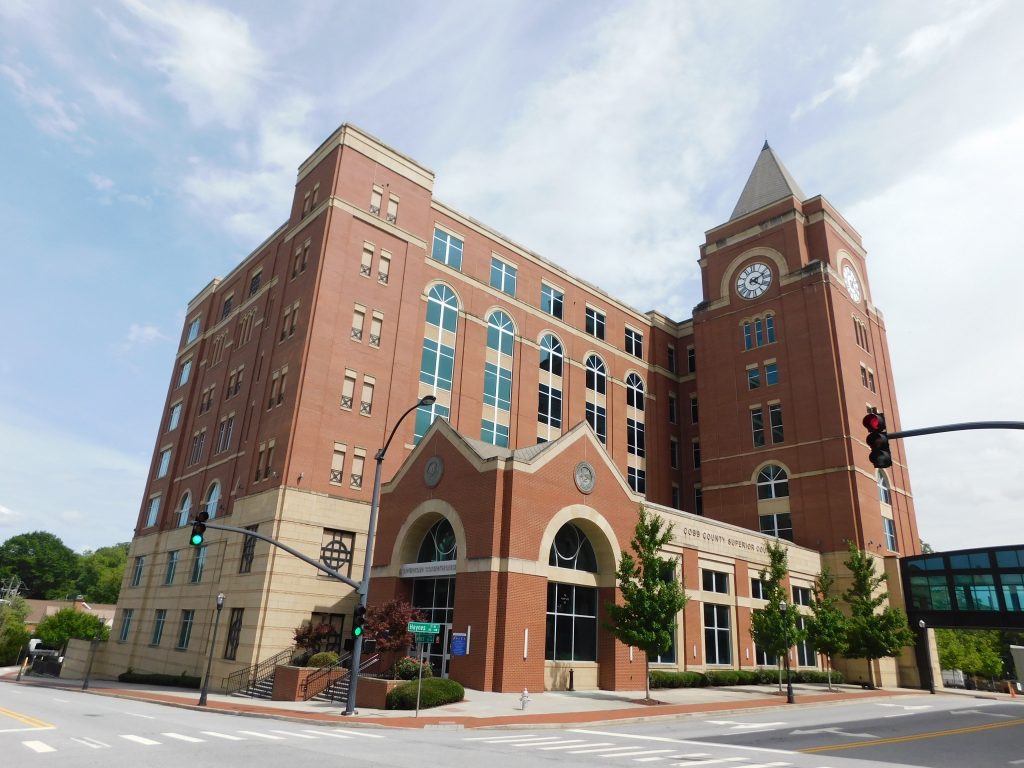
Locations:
{"points": [[197, 539], [357, 631]]}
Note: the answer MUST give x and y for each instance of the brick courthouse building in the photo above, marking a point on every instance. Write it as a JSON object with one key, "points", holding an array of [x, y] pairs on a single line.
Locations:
{"points": [[558, 410]]}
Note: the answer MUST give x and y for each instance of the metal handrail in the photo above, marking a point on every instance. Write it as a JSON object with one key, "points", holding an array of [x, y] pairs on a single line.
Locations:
{"points": [[252, 676], [345, 680], [321, 679]]}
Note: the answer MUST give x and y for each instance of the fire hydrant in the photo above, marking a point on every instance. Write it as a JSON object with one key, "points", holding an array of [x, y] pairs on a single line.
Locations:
{"points": [[525, 698]]}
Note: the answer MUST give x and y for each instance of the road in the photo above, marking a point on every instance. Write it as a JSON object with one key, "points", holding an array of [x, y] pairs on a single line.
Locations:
{"points": [[40, 725]]}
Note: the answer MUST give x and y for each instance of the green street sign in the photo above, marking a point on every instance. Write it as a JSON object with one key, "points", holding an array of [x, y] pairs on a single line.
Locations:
{"points": [[423, 627], [422, 638]]}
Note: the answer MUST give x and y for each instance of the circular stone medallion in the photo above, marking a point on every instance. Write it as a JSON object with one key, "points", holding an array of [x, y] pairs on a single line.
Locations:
{"points": [[432, 471], [585, 476]]}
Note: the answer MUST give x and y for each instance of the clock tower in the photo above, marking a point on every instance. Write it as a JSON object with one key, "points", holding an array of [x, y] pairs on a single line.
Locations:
{"points": [[793, 355]]}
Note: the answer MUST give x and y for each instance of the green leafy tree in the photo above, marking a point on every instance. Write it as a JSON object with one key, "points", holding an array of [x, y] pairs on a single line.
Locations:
{"points": [[775, 630], [651, 597], [872, 632], [976, 652], [45, 566], [387, 625], [100, 573], [57, 628], [826, 626], [13, 634]]}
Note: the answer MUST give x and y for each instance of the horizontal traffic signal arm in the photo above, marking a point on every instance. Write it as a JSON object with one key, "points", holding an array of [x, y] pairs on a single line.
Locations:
{"points": [[280, 545], [958, 428]]}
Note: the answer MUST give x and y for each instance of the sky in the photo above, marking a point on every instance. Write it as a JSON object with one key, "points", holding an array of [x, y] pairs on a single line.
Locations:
{"points": [[146, 147]]}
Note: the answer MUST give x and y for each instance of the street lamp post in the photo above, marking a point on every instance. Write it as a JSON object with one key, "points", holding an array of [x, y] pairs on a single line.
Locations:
{"points": [[213, 642], [789, 675], [927, 655], [371, 532]]}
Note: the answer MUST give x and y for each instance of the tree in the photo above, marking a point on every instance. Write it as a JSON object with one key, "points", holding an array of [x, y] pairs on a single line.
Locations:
{"points": [[774, 630], [387, 624], [651, 597], [13, 634], [871, 633], [826, 626], [45, 566], [57, 628], [976, 652], [100, 573]]}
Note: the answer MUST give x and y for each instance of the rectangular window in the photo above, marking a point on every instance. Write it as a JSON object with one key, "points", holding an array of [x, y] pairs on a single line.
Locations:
{"points": [[196, 450], [863, 377], [348, 389], [172, 566], [634, 343], [698, 501], [366, 398], [1013, 591], [376, 197], [174, 417], [549, 406], [184, 372], [696, 454], [673, 415], [871, 381], [494, 433], [551, 301], [637, 479], [497, 386], [805, 653], [595, 323], [234, 632], [930, 593], [366, 263], [596, 420], [890, 534], [769, 328], [358, 462], [164, 464], [358, 318], [224, 430], [691, 359], [771, 374], [159, 617], [338, 464], [185, 632], [229, 302], [301, 258], [392, 209], [193, 331], [677, 499], [437, 365], [714, 581], [780, 525], [376, 323], [635, 437], [757, 589], [126, 624], [383, 267], [571, 627], [775, 417], [425, 417], [759, 332], [748, 337], [671, 359], [673, 453], [717, 635], [757, 426], [248, 551], [753, 377], [503, 276], [198, 564], [137, 571], [801, 595], [153, 511], [447, 249], [975, 592], [255, 282], [694, 411]]}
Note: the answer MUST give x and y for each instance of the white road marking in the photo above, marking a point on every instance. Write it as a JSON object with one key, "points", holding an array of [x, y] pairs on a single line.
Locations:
{"points": [[62, 701], [33, 728], [976, 712], [259, 735], [552, 740], [144, 717], [496, 739], [714, 761], [227, 736], [183, 737], [296, 735], [836, 731], [335, 731], [638, 752], [568, 744], [738, 725], [598, 750], [577, 746], [91, 742], [332, 733], [140, 740], [38, 746], [691, 742]]}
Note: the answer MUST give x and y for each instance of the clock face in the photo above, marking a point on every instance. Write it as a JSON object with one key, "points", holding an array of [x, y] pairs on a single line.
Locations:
{"points": [[852, 283], [753, 280]]}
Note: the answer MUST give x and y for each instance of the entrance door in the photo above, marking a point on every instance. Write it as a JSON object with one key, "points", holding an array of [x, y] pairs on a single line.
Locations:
{"points": [[434, 599]]}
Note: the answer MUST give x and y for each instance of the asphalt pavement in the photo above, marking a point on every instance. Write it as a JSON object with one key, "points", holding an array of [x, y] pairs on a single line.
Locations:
{"points": [[483, 709]]}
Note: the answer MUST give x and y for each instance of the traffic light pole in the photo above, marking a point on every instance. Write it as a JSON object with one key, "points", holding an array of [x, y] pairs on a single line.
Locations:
{"points": [[958, 428]]}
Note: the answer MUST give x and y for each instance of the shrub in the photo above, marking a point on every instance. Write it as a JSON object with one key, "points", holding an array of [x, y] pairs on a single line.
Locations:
{"points": [[408, 668], [664, 679], [723, 677], [323, 659], [747, 677], [435, 692], [154, 678], [816, 676]]}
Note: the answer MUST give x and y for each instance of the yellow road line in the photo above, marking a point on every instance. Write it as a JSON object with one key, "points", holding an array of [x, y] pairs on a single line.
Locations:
{"points": [[916, 737], [34, 722]]}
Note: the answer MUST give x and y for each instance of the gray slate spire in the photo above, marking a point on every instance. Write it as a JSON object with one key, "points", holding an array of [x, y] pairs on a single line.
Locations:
{"points": [[768, 183]]}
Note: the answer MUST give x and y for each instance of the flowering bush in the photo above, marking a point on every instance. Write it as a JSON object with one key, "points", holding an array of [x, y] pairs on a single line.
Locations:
{"points": [[408, 668]]}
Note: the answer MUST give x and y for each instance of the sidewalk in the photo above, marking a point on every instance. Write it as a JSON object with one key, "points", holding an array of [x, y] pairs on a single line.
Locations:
{"points": [[482, 709]]}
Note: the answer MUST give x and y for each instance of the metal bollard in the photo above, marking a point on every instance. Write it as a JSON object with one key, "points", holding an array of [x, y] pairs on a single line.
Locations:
{"points": [[572, 672], [524, 699]]}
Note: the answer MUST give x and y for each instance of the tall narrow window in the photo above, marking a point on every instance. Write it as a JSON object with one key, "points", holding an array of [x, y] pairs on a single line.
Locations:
{"points": [[188, 617], [184, 371], [140, 563], [447, 249], [376, 323], [671, 363], [696, 454], [771, 374], [691, 359], [376, 198], [348, 389], [384, 268], [437, 363], [358, 462], [635, 437], [497, 408], [753, 377], [153, 511], [549, 396], [392, 209], [635, 392], [757, 426], [198, 565], [717, 634], [172, 566], [884, 491], [503, 276], [366, 398], [358, 318], [551, 301], [775, 417], [164, 463], [597, 377], [694, 410], [597, 419], [193, 331], [248, 551], [126, 624], [673, 414], [159, 618], [634, 344], [234, 631], [637, 479], [595, 323], [597, 383], [338, 464]]}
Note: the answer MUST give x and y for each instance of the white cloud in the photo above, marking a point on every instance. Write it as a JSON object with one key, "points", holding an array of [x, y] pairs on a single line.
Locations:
{"points": [[926, 43], [9, 518], [211, 64], [112, 99], [140, 335], [847, 83], [50, 111], [101, 183]]}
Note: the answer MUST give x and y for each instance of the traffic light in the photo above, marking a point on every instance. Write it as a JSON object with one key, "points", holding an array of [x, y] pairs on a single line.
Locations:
{"points": [[199, 528], [358, 618], [878, 440]]}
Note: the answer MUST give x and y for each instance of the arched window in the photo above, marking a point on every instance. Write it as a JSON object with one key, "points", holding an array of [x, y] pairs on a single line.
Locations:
{"points": [[772, 483], [438, 544], [549, 393], [635, 391], [884, 490], [572, 549], [437, 364], [597, 376], [551, 357], [500, 332], [212, 499], [185, 509], [442, 307], [494, 427]]}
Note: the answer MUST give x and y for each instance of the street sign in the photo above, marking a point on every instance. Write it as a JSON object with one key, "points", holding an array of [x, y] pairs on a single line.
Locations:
{"points": [[423, 627], [424, 637]]}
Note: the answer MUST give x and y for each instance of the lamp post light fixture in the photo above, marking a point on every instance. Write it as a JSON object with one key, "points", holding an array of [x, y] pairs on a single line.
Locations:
{"points": [[789, 674], [213, 642], [371, 532], [927, 655]]}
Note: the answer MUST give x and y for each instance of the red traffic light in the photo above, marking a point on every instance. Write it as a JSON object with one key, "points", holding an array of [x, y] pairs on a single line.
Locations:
{"points": [[877, 440], [874, 422]]}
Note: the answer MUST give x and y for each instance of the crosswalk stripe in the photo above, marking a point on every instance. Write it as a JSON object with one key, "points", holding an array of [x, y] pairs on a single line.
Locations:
{"points": [[91, 742], [296, 735], [766, 765], [38, 746], [577, 745], [534, 740], [183, 737], [496, 739], [639, 752], [139, 740], [329, 733], [262, 735], [598, 749], [715, 761], [364, 734], [541, 745], [227, 736]]}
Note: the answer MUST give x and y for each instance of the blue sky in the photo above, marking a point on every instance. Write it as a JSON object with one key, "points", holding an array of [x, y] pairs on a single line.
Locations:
{"points": [[149, 146]]}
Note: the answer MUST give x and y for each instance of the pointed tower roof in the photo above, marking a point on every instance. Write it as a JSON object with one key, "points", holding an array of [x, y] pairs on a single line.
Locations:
{"points": [[768, 182]]}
